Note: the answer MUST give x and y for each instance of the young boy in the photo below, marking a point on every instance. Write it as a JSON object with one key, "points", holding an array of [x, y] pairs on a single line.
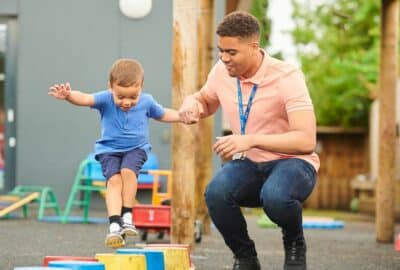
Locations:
{"points": [[124, 143]]}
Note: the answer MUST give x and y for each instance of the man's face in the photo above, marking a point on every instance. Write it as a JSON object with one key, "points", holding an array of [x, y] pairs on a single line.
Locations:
{"points": [[237, 54], [126, 97]]}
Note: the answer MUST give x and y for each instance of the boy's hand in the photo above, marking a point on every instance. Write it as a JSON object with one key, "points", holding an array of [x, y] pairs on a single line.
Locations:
{"points": [[60, 91]]}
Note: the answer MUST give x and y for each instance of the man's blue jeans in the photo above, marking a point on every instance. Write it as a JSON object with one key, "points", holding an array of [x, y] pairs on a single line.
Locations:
{"points": [[279, 186]]}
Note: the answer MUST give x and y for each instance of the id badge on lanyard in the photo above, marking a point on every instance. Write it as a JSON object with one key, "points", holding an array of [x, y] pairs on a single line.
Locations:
{"points": [[243, 115]]}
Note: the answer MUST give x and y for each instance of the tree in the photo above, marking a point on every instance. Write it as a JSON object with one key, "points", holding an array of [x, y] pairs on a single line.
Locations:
{"points": [[258, 8], [338, 46]]}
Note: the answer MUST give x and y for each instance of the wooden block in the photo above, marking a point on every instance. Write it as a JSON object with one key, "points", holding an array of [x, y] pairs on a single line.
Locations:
{"points": [[176, 258], [48, 259], [122, 261], [154, 258], [77, 265], [39, 268]]}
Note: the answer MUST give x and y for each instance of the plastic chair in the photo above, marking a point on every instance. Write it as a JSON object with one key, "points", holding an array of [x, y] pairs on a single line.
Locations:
{"points": [[89, 178]]}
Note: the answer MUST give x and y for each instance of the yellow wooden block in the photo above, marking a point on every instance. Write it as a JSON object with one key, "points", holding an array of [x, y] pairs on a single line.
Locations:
{"points": [[175, 258], [122, 261]]}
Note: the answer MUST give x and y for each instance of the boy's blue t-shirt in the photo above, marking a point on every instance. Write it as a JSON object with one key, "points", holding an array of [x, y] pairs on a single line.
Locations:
{"points": [[123, 131]]}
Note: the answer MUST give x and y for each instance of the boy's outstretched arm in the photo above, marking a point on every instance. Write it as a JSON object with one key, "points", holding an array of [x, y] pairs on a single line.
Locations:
{"points": [[64, 92], [170, 116]]}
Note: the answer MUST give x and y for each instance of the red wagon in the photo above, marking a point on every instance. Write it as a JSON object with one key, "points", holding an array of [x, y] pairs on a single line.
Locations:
{"points": [[157, 217]]}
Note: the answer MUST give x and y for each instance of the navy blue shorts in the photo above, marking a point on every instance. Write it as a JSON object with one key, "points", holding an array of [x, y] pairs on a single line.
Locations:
{"points": [[112, 163]]}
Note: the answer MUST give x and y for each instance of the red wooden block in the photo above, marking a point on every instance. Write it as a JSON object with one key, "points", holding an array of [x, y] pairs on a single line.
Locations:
{"points": [[48, 259]]}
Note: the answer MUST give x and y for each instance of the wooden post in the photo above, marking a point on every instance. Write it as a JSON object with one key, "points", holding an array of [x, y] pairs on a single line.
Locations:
{"points": [[205, 127], [184, 82], [231, 5], [387, 126]]}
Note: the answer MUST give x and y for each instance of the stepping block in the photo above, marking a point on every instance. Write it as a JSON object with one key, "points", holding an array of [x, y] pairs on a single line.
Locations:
{"points": [[175, 258], [187, 246], [78, 265], [75, 219], [48, 259], [308, 223], [40, 268], [322, 223], [122, 261], [154, 258]]}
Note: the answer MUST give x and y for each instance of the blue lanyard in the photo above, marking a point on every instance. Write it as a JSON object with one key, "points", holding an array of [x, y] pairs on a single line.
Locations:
{"points": [[244, 116]]}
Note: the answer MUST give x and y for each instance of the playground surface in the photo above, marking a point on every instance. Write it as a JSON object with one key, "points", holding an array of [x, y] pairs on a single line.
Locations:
{"points": [[24, 242]]}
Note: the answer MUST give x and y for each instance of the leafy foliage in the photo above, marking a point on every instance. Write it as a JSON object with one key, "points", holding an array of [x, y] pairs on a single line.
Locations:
{"points": [[338, 46], [258, 9]]}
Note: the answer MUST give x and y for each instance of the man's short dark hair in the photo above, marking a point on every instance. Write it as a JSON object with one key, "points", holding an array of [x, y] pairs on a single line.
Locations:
{"points": [[239, 24]]}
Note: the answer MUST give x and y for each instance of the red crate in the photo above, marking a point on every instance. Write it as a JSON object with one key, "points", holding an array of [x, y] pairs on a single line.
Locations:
{"points": [[151, 217]]}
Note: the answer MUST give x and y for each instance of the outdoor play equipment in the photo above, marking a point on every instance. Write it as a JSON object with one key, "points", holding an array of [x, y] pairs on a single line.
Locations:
{"points": [[154, 258], [157, 216], [40, 268], [122, 261], [89, 178], [22, 196], [78, 265], [175, 257], [148, 257], [308, 223], [48, 259]]}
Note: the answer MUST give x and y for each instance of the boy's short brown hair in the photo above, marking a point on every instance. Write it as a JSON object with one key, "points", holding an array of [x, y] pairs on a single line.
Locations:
{"points": [[126, 72], [239, 24]]}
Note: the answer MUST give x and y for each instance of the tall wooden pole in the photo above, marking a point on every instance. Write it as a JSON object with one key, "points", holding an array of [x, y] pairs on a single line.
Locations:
{"points": [[184, 83], [206, 33], [387, 125]]}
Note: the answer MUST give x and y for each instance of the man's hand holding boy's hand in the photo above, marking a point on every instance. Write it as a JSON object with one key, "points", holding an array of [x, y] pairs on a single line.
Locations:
{"points": [[60, 91], [190, 110]]}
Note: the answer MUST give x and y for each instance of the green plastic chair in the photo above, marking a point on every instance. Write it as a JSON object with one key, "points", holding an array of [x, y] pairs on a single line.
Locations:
{"points": [[83, 187]]}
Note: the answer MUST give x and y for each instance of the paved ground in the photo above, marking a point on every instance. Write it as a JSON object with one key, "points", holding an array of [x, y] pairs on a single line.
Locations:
{"points": [[24, 242]]}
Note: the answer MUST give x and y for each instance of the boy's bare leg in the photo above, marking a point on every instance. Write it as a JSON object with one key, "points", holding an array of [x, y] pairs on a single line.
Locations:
{"points": [[114, 195], [114, 203], [129, 188]]}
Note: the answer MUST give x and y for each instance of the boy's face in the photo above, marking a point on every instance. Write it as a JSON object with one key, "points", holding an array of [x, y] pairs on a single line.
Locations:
{"points": [[126, 97]]}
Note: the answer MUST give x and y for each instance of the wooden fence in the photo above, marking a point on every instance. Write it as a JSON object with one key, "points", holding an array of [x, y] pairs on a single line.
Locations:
{"points": [[344, 155]]}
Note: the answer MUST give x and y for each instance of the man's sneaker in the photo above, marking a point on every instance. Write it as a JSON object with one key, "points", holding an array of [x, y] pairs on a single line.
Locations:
{"points": [[295, 255], [251, 263], [114, 239], [127, 226]]}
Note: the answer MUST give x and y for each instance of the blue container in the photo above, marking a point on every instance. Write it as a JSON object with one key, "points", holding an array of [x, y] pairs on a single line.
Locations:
{"points": [[78, 265], [93, 169], [154, 258]]}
